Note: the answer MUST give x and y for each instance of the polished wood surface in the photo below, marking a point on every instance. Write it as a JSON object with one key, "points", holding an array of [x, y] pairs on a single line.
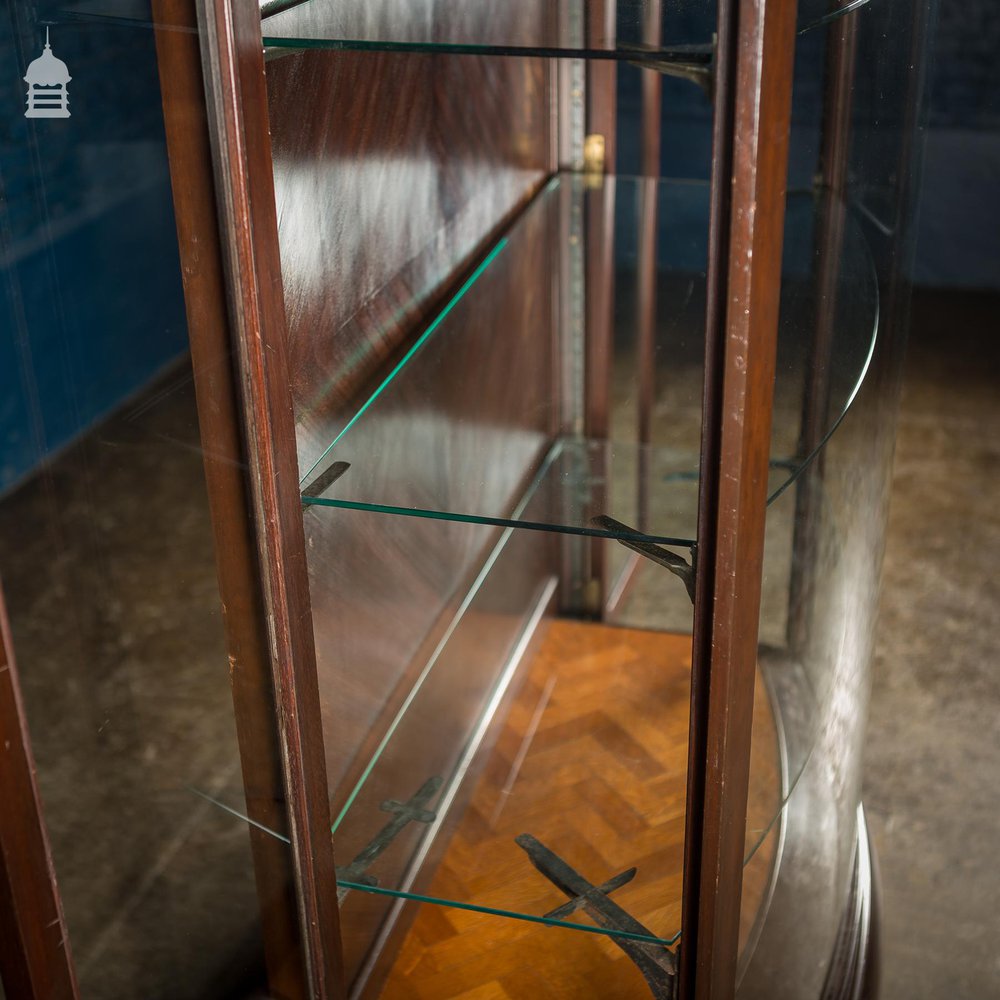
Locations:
{"points": [[35, 958], [238, 121], [652, 94], [258, 509], [363, 218], [224, 451], [753, 106], [389, 182], [386, 589], [591, 760], [476, 396], [602, 78]]}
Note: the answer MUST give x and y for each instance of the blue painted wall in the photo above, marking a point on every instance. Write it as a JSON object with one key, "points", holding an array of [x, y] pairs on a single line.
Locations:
{"points": [[958, 237], [958, 220], [91, 306]]}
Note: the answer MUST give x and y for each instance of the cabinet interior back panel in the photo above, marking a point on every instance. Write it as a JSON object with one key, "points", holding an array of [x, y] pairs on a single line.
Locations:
{"points": [[393, 173]]}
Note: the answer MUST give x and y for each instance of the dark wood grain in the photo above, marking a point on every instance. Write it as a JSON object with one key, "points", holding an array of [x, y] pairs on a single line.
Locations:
{"points": [[35, 959], [237, 125], [602, 78], [723, 112], [463, 427], [219, 415], [756, 48], [389, 192], [652, 93]]}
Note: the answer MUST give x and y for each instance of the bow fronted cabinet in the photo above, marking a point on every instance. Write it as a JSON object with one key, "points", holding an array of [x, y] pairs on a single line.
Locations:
{"points": [[546, 356]]}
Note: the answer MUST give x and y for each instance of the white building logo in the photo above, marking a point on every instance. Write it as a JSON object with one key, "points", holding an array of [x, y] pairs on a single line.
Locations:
{"points": [[46, 79]]}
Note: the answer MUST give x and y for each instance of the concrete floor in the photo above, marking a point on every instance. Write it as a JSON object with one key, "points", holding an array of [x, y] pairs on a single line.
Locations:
{"points": [[138, 712], [109, 577], [932, 785]]}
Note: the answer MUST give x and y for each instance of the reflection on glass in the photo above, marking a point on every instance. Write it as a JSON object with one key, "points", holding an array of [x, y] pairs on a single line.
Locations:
{"points": [[824, 533], [106, 548], [387, 454], [541, 28], [449, 503], [119, 639]]}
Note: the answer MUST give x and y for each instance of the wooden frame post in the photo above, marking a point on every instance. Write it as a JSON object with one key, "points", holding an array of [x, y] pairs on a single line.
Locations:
{"points": [[756, 41], [224, 201], [602, 77], [35, 959]]}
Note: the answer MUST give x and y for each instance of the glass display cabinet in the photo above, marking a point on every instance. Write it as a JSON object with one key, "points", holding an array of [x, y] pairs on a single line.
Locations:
{"points": [[547, 449]]}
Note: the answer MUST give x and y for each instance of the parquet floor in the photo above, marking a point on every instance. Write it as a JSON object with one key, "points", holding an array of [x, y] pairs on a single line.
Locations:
{"points": [[592, 761]]}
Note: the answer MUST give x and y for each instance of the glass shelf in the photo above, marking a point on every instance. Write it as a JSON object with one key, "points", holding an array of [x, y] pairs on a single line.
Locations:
{"points": [[583, 469], [449, 26], [601, 784], [556, 767], [601, 787], [426, 444]]}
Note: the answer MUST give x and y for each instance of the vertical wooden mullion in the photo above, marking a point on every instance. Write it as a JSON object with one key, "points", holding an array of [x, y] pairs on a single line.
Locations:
{"points": [[704, 554], [602, 77], [652, 92], [35, 959], [236, 94], [225, 459], [753, 104]]}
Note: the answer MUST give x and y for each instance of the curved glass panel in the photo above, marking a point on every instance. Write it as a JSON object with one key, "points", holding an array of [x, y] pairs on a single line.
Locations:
{"points": [[822, 563], [821, 577]]}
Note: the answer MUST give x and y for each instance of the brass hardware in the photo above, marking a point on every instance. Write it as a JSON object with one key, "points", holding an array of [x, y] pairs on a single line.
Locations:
{"points": [[593, 154], [592, 592]]}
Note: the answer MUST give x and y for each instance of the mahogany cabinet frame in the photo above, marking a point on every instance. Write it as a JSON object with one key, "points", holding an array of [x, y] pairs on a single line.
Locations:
{"points": [[756, 46], [215, 105], [35, 958], [236, 317], [749, 168]]}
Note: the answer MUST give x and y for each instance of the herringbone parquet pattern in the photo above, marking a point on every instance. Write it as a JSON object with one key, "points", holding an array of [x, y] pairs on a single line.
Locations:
{"points": [[592, 761]]}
